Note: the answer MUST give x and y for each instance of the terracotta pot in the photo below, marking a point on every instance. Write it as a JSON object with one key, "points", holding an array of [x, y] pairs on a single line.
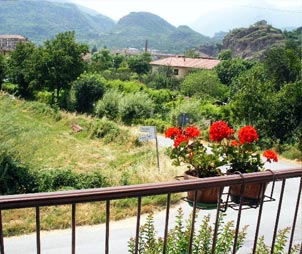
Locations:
{"points": [[252, 193], [204, 195]]}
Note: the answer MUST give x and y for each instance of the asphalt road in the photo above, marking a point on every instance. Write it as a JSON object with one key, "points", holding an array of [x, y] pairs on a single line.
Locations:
{"points": [[91, 239]]}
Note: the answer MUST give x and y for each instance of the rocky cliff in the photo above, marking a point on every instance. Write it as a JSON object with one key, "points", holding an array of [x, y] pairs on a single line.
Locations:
{"points": [[251, 42]]}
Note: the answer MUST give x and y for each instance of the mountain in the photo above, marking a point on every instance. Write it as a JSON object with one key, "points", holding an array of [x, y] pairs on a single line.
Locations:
{"points": [[251, 42], [42, 20], [134, 29]]}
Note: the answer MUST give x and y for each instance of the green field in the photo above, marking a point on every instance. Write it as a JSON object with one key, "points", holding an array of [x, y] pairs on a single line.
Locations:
{"points": [[41, 138]]}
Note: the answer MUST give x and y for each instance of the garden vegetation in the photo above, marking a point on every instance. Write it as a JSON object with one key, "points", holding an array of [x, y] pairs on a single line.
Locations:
{"points": [[47, 89]]}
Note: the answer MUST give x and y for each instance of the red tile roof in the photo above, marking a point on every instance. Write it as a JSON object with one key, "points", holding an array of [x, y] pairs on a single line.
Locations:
{"points": [[184, 62]]}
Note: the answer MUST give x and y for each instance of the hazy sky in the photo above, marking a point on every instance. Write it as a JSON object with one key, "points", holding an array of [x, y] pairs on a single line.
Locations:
{"points": [[184, 12]]}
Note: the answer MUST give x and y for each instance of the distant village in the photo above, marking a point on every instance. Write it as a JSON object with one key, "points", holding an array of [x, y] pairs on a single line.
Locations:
{"points": [[181, 65]]}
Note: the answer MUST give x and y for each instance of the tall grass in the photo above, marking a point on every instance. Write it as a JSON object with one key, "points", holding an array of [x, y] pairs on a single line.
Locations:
{"points": [[41, 139]]}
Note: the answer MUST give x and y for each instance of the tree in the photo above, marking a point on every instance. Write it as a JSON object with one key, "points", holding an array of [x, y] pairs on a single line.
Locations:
{"points": [[20, 67], [59, 63], [288, 114], [162, 79], [2, 69], [85, 91], [102, 60], [109, 105], [225, 54], [203, 84], [94, 49], [140, 64], [255, 104], [282, 65], [227, 70], [191, 53], [135, 106], [119, 61], [256, 73]]}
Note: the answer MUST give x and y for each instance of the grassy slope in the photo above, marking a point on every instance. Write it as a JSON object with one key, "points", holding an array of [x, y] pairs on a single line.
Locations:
{"points": [[32, 134], [38, 140]]}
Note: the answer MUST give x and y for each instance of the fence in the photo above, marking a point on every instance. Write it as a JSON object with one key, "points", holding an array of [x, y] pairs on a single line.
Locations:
{"points": [[278, 177]]}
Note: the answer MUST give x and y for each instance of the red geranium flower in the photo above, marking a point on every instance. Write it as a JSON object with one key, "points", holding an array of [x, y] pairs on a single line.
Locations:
{"points": [[192, 132], [234, 143], [270, 155], [179, 139], [220, 130], [172, 132], [247, 134]]}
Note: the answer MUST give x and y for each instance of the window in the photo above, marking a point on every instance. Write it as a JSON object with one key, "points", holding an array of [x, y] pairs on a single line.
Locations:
{"points": [[175, 72]]}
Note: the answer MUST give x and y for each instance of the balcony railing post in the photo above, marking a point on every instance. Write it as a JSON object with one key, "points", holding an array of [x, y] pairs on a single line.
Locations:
{"points": [[107, 226], [73, 228], [262, 191], [193, 222], [239, 211], [1, 236], [139, 206], [217, 220], [38, 230], [167, 222], [278, 216], [295, 219]]}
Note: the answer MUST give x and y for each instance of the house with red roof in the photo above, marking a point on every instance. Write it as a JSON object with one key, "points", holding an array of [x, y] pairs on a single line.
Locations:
{"points": [[182, 65]]}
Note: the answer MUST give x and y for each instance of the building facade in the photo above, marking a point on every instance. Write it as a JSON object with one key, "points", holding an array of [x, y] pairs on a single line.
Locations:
{"points": [[9, 42]]}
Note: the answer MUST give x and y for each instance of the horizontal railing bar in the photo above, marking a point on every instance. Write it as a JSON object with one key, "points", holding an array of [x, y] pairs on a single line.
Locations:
{"points": [[140, 190]]}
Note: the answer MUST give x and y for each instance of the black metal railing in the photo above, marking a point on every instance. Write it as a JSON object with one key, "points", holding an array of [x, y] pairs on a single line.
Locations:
{"points": [[277, 177]]}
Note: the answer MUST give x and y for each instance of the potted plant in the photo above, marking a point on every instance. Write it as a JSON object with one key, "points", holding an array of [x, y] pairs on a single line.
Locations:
{"points": [[201, 161], [238, 151], [242, 156]]}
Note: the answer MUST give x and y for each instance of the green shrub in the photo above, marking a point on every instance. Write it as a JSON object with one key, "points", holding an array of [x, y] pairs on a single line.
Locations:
{"points": [[85, 91], [105, 129], [178, 238], [189, 106], [125, 86], [44, 97], [210, 111], [10, 88], [109, 105], [54, 179], [135, 106], [42, 109], [14, 178], [18, 179], [280, 244], [61, 179], [203, 84], [292, 152]]}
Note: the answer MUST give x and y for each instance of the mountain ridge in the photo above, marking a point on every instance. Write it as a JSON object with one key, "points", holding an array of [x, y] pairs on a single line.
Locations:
{"points": [[42, 20]]}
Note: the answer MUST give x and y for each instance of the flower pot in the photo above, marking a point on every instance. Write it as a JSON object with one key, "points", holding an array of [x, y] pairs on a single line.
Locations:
{"points": [[252, 193], [208, 196]]}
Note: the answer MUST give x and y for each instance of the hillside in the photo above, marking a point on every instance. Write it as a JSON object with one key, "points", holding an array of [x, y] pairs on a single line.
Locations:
{"points": [[42, 20], [137, 27], [251, 42]]}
